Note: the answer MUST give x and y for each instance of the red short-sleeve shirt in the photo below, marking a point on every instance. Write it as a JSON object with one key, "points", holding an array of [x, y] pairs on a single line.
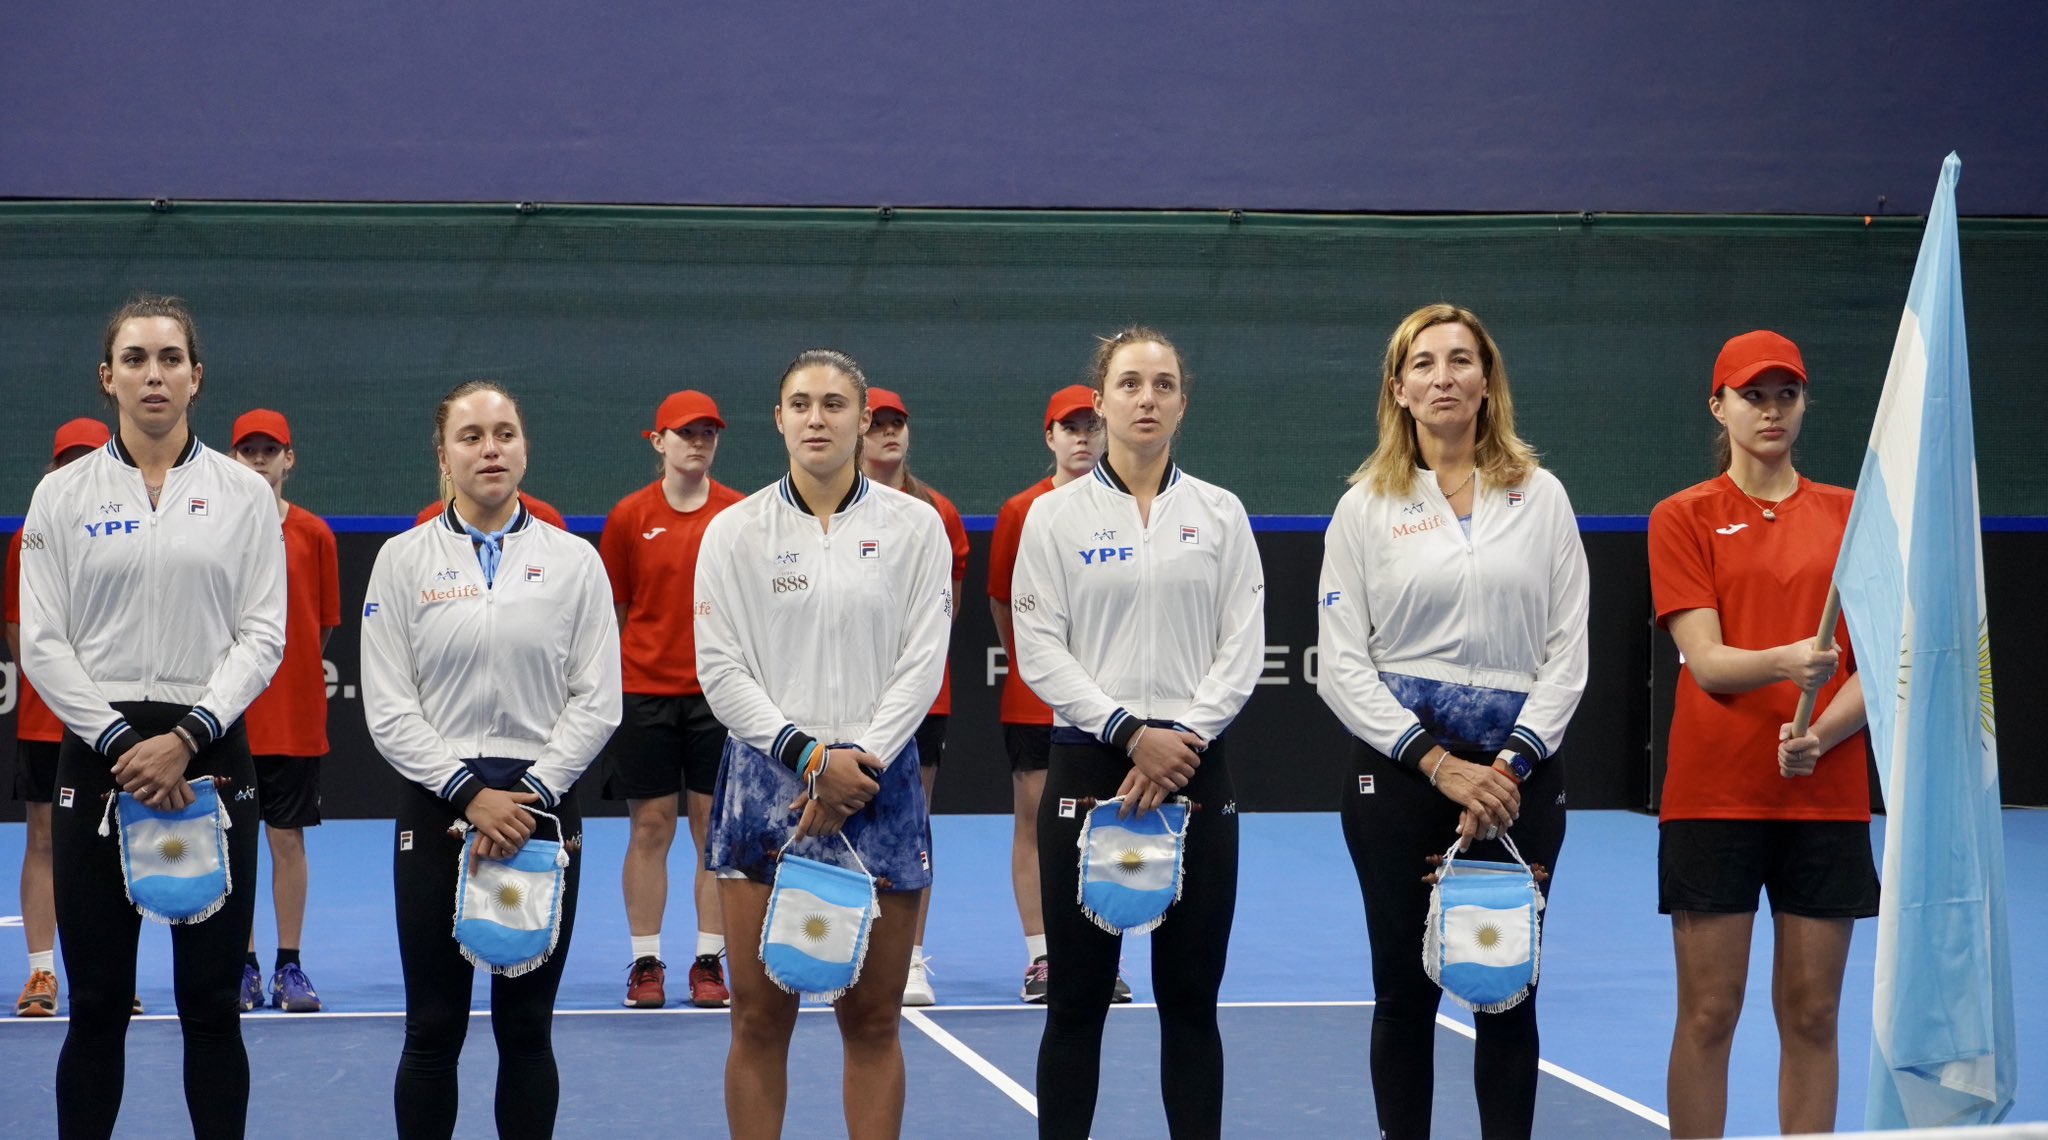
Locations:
{"points": [[290, 717], [1020, 704], [650, 552], [33, 719], [956, 532], [1711, 548]]}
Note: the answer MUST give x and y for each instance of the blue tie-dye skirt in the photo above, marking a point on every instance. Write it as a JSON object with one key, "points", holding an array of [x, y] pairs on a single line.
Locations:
{"points": [[751, 820]]}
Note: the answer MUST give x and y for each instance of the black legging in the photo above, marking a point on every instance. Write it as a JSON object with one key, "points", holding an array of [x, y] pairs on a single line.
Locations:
{"points": [[1391, 832], [100, 926], [1188, 950], [438, 981]]}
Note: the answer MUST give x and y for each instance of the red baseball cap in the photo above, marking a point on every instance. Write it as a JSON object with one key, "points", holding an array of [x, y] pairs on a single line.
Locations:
{"points": [[685, 407], [82, 432], [1068, 400], [882, 399], [1746, 357], [261, 421]]}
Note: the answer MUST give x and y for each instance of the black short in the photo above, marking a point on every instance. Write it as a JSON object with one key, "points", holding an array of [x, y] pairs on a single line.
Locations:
{"points": [[663, 745], [35, 771], [1029, 746], [288, 790], [931, 741], [1812, 868]]}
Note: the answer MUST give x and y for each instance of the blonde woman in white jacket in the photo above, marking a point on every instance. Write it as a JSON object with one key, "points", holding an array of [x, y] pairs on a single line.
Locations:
{"points": [[491, 680]]}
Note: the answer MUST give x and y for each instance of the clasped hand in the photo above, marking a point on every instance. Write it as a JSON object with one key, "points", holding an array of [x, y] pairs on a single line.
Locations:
{"points": [[154, 773], [844, 787], [1162, 763]]}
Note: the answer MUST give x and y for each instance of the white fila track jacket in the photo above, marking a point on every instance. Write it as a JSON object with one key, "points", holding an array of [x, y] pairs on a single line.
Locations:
{"points": [[525, 668], [1119, 623], [181, 603], [1427, 637], [835, 636]]}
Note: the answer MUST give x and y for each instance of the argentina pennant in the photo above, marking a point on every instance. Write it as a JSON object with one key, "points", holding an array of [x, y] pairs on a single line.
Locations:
{"points": [[1131, 868], [1483, 943], [174, 863], [814, 938], [509, 912]]}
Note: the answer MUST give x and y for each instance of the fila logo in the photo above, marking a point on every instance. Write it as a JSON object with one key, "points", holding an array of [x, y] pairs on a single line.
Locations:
{"points": [[655, 531], [1730, 529], [109, 529], [1515, 498], [924, 859], [1103, 554], [870, 548], [1190, 535], [1365, 787], [1066, 809], [65, 796], [405, 841], [536, 574], [195, 506]]}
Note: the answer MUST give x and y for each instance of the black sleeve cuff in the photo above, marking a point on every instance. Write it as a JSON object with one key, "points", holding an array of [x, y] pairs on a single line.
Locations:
{"points": [[1121, 728], [1415, 745], [463, 793], [203, 726], [116, 744], [790, 746]]}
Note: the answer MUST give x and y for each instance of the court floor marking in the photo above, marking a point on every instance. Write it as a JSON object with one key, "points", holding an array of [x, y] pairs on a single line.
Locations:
{"points": [[1573, 1079], [973, 1060]]}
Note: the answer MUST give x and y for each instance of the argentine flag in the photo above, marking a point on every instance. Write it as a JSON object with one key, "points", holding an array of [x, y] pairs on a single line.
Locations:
{"points": [[508, 913], [1131, 868], [815, 936], [176, 862], [1911, 579]]}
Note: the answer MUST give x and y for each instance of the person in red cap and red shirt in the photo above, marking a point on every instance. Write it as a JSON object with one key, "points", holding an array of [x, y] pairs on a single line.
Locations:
{"points": [[885, 458], [1740, 567], [1074, 435], [668, 742], [38, 733], [288, 723]]}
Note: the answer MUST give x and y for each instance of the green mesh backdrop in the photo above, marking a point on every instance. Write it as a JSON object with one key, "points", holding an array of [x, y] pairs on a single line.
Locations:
{"points": [[353, 320]]}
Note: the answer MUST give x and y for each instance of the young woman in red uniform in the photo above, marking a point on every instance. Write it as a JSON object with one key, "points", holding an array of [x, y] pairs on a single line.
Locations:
{"points": [[885, 458], [288, 723], [668, 743], [1740, 566], [38, 733], [1073, 433]]}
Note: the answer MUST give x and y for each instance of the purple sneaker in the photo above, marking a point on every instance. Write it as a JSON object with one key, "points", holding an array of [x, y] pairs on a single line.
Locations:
{"points": [[252, 988], [292, 992]]}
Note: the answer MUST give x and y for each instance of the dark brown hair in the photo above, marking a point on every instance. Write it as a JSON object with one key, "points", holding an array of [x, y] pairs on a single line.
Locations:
{"points": [[152, 305]]}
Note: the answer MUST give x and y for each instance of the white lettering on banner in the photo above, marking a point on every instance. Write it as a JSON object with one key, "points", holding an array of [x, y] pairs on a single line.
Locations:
{"points": [[1271, 663], [334, 685], [1311, 663], [7, 687], [998, 666]]}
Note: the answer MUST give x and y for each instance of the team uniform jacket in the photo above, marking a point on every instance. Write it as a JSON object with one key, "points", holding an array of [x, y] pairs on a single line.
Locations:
{"points": [[1119, 623], [182, 603], [837, 637], [1429, 638], [525, 669]]}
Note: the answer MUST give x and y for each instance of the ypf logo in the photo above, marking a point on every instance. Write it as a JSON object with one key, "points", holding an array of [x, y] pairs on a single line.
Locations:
{"points": [[1104, 554], [111, 528]]}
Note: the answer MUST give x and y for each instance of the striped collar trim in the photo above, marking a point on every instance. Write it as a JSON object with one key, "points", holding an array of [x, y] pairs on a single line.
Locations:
{"points": [[786, 486], [193, 447], [454, 521], [1107, 476]]}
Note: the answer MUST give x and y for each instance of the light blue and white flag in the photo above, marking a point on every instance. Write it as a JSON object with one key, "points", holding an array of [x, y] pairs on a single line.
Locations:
{"points": [[175, 863], [814, 938], [1483, 943], [508, 914], [1131, 868], [1911, 577]]}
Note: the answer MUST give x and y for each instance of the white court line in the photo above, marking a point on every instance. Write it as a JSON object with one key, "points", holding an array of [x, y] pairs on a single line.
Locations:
{"points": [[973, 1060], [1626, 1104]]}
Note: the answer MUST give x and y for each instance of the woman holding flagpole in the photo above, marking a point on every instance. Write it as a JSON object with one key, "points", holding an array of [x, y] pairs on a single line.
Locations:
{"points": [[491, 680], [1139, 613], [152, 614], [1740, 566], [824, 602], [1453, 638]]}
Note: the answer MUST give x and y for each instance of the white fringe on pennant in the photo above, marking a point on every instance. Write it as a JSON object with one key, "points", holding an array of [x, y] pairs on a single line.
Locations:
{"points": [[529, 965], [1432, 937], [221, 823], [1180, 869]]}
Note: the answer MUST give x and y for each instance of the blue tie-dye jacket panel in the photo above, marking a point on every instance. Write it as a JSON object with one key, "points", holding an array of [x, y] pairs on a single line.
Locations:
{"points": [[1462, 718]]}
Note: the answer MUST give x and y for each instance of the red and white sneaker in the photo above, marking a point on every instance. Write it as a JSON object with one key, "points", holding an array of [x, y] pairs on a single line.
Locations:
{"points": [[647, 983], [707, 983]]}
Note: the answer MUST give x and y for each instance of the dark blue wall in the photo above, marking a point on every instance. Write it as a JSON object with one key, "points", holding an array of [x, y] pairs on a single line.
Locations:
{"points": [[1346, 105]]}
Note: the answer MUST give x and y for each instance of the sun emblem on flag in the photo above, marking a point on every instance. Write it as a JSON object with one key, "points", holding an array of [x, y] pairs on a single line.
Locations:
{"points": [[1130, 861], [1488, 936], [509, 897], [1984, 714], [172, 849], [815, 927]]}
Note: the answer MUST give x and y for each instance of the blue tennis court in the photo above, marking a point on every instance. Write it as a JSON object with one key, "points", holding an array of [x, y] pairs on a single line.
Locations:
{"points": [[1295, 1025]]}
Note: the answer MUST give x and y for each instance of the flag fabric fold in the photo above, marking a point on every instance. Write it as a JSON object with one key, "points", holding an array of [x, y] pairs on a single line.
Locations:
{"points": [[1912, 586]]}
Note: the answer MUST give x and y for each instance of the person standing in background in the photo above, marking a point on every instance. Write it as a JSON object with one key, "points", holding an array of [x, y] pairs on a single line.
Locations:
{"points": [[288, 723]]}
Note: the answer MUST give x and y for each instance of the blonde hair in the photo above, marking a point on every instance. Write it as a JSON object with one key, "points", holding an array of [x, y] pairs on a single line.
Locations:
{"points": [[1502, 456]]}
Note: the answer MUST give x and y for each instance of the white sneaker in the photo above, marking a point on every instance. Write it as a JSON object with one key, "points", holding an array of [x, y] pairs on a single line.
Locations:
{"points": [[917, 988]]}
